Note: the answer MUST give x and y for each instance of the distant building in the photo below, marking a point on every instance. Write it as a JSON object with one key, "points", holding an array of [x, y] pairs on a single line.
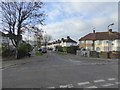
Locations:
{"points": [[63, 43], [68, 42], [6, 40], [101, 41]]}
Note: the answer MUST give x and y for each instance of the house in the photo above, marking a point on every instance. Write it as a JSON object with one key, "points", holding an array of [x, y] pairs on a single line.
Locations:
{"points": [[68, 42], [6, 40], [63, 43], [101, 41]]}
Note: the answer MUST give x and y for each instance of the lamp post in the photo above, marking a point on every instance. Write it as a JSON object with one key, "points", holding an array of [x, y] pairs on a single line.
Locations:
{"points": [[110, 25], [109, 39]]}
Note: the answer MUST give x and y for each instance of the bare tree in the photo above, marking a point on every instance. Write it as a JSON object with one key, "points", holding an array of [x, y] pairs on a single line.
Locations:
{"points": [[46, 39], [16, 16]]}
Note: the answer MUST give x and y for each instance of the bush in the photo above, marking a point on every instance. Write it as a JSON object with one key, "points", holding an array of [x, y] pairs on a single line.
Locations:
{"points": [[24, 49], [64, 49], [59, 48], [7, 52], [71, 49]]}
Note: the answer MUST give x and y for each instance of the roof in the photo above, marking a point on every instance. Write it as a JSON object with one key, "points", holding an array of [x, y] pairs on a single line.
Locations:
{"points": [[64, 40], [69, 40], [101, 36]]}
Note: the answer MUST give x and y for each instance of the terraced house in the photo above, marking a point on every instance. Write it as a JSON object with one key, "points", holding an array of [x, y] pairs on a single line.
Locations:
{"points": [[63, 43]]}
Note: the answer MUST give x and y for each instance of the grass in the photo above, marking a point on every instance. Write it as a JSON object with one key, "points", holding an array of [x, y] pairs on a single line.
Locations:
{"points": [[63, 53], [37, 53]]}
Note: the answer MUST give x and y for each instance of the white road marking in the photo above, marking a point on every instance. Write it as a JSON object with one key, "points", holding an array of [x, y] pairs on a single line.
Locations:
{"points": [[66, 86], [107, 85], [70, 86], [83, 83], [101, 80], [92, 87], [63, 86], [111, 79], [117, 82], [50, 87], [75, 61]]}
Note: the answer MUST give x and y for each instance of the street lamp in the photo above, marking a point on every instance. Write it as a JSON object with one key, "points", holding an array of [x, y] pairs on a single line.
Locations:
{"points": [[109, 40], [110, 25]]}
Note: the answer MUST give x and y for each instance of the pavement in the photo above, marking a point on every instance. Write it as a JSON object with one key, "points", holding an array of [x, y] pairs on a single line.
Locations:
{"points": [[53, 70], [10, 63]]}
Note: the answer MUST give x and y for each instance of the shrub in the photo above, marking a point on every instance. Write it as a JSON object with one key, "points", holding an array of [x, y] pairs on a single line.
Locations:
{"points": [[23, 49], [71, 49], [64, 49], [6, 52], [59, 48]]}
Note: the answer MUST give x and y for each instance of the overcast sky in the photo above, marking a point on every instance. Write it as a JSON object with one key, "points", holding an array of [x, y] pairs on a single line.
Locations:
{"points": [[76, 19]]}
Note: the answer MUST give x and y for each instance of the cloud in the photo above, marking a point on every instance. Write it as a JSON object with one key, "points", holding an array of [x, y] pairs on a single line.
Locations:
{"points": [[54, 14], [79, 19]]}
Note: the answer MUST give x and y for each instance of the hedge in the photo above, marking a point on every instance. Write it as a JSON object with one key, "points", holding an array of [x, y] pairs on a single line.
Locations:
{"points": [[71, 49]]}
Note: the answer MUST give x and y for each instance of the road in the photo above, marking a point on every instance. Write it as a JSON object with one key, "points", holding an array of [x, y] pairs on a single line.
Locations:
{"points": [[53, 70]]}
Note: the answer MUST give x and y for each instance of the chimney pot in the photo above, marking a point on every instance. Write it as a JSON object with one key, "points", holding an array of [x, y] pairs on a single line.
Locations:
{"points": [[68, 37], [62, 38], [110, 30], [93, 31]]}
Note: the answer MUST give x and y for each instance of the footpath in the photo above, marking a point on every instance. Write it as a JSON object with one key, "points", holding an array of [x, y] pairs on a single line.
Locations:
{"points": [[10, 63]]}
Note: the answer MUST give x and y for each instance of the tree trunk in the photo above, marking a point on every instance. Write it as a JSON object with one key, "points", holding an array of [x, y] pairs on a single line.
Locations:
{"points": [[16, 54]]}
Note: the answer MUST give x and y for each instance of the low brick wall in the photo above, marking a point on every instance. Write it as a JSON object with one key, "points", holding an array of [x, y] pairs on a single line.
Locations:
{"points": [[103, 55], [114, 55]]}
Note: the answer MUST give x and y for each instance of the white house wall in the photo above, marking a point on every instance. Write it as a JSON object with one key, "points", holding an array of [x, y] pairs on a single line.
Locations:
{"points": [[106, 45], [65, 44], [117, 45]]}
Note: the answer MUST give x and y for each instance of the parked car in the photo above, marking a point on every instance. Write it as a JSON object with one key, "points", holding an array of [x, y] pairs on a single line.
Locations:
{"points": [[44, 50], [39, 49]]}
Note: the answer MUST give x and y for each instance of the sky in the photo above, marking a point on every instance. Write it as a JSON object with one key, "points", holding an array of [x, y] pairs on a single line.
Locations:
{"points": [[76, 19]]}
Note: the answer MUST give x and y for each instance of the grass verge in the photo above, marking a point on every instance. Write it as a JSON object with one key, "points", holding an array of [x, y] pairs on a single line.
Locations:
{"points": [[37, 53], [63, 53]]}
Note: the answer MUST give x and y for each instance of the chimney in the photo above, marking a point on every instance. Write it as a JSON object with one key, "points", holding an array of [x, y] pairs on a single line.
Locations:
{"points": [[68, 37], [93, 31], [110, 30], [62, 39]]}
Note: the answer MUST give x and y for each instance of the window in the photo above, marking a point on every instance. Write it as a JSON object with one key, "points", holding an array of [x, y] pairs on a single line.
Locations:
{"points": [[89, 42], [105, 48], [118, 48], [82, 41], [98, 42]]}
